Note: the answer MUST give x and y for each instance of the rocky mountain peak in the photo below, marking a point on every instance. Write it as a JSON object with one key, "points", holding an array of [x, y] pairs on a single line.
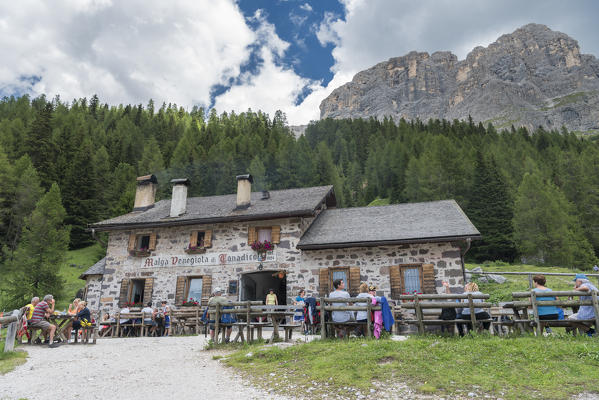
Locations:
{"points": [[531, 77]]}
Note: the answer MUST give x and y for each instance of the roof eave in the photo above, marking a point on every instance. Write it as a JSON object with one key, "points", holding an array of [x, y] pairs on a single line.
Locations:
{"points": [[374, 243], [199, 221]]}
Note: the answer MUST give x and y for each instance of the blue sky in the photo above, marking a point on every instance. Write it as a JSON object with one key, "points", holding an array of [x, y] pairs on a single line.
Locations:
{"points": [[258, 54]]}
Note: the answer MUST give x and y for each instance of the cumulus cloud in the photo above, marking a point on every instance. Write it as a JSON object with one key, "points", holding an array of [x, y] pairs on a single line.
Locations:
{"points": [[123, 51]]}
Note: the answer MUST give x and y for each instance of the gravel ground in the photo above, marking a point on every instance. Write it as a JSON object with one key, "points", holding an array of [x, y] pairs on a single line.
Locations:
{"points": [[132, 368]]}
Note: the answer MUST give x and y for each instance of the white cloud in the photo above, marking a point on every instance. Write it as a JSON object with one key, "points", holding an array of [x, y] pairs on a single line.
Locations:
{"points": [[306, 7], [123, 51]]}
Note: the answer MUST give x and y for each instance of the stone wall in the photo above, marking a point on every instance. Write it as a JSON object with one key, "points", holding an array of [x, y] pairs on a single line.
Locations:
{"points": [[229, 237], [374, 263]]}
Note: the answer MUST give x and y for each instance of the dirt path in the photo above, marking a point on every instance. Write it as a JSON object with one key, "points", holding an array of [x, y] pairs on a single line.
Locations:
{"points": [[133, 368]]}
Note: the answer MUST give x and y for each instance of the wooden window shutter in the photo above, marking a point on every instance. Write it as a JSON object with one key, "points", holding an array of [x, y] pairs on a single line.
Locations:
{"points": [[148, 288], [132, 239], [252, 234], [193, 239], [208, 238], [395, 281], [428, 278], [152, 245], [206, 288], [275, 234], [180, 290], [354, 281], [123, 296], [323, 282]]}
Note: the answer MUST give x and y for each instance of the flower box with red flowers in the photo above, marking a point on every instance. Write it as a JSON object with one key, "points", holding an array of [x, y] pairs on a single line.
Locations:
{"points": [[190, 303], [199, 249], [262, 248], [143, 252]]}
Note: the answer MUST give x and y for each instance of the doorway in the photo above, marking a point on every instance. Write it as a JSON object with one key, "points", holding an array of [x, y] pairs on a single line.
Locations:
{"points": [[255, 286]]}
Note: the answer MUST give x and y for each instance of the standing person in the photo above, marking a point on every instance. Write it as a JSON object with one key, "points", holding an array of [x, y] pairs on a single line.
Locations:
{"points": [[479, 313], [545, 312], [218, 299], [340, 316], [166, 311], [582, 283], [271, 298], [300, 301], [42, 311]]}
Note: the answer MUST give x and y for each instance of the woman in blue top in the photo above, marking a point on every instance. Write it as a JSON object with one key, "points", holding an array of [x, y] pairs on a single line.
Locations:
{"points": [[545, 312]]}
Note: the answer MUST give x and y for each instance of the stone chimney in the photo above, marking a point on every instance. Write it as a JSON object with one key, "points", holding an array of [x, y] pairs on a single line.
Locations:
{"points": [[179, 199], [244, 191], [145, 195]]}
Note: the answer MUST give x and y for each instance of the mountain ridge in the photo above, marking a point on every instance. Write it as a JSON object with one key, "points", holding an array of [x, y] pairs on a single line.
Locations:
{"points": [[531, 77]]}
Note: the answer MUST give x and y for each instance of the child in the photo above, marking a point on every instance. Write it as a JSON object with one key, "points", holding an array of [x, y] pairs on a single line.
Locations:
{"points": [[167, 318]]}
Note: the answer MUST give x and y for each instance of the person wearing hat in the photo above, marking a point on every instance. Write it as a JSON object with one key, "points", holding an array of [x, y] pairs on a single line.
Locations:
{"points": [[582, 283], [218, 299]]}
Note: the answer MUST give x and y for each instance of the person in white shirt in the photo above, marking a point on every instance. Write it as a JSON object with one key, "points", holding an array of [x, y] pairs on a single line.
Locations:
{"points": [[340, 316], [148, 316]]}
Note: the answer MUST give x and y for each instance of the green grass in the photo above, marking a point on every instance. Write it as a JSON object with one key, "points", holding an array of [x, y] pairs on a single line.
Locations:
{"points": [[513, 368], [77, 262], [8, 361], [379, 202], [518, 283]]}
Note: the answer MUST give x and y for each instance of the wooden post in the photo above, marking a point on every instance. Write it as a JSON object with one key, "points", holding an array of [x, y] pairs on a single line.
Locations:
{"points": [[472, 313], [11, 332], [530, 285], [323, 324], [197, 320], [216, 322], [118, 324], [535, 310], [596, 307], [368, 317], [419, 315], [247, 322]]}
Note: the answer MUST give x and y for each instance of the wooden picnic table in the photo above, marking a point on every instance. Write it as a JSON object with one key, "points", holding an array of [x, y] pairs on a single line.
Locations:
{"points": [[61, 321], [275, 316]]}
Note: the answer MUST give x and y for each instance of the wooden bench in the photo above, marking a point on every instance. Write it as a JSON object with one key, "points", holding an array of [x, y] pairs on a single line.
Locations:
{"points": [[186, 317], [134, 322], [533, 302], [331, 304], [421, 302]]}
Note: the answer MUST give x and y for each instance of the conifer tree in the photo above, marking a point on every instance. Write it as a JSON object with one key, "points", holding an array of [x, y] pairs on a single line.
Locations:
{"points": [[41, 251], [491, 210], [39, 143]]}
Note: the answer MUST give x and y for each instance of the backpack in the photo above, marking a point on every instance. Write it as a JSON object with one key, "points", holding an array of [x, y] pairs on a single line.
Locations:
{"points": [[228, 318], [448, 314]]}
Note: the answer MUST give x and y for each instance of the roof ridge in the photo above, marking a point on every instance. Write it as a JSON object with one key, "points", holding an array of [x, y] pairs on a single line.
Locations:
{"points": [[392, 205]]}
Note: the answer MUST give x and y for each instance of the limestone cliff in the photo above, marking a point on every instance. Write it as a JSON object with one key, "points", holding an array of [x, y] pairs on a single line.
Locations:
{"points": [[531, 77]]}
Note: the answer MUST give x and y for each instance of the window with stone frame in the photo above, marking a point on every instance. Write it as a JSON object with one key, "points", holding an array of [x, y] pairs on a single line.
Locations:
{"points": [[141, 244], [264, 233], [196, 287], [199, 241], [350, 275]]}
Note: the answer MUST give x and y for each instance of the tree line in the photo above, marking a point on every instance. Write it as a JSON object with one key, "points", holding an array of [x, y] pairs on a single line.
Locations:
{"points": [[533, 195]]}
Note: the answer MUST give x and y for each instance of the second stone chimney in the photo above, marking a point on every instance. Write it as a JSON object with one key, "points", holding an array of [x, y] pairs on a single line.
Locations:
{"points": [[244, 191], [179, 199], [145, 194]]}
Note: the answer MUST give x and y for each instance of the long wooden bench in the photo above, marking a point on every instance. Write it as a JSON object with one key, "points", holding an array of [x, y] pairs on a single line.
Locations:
{"points": [[421, 302], [328, 304], [531, 301]]}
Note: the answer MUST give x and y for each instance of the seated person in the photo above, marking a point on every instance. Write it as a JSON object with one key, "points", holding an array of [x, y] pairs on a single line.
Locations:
{"points": [[42, 311], [30, 307], [105, 318], [362, 316], [218, 299], [582, 283], [83, 316], [545, 312], [149, 315], [479, 313], [74, 307], [340, 316]]}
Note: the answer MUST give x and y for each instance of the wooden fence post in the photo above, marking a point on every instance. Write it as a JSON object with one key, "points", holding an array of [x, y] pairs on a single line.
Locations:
{"points": [[368, 317], [530, 285], [472, 313], [248, 318], [11, 332], [323, 325], [216, 322], [596, 307], [535, 310], [419, 315]]}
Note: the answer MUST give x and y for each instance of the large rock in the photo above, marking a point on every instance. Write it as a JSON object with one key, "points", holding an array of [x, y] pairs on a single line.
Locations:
{"points": [[496, 278], [531, 77]]}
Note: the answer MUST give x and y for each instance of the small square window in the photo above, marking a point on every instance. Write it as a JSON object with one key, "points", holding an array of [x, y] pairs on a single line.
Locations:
{"points": [[143, 243]]}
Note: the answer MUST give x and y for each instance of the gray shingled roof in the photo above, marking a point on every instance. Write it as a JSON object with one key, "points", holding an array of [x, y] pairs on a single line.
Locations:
{"points": [[282, 203], [96, 269], [398, 223]]}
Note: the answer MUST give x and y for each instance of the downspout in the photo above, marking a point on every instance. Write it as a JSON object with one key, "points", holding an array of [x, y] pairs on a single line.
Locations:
{"points": [[97, 238], [468, 243]]}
